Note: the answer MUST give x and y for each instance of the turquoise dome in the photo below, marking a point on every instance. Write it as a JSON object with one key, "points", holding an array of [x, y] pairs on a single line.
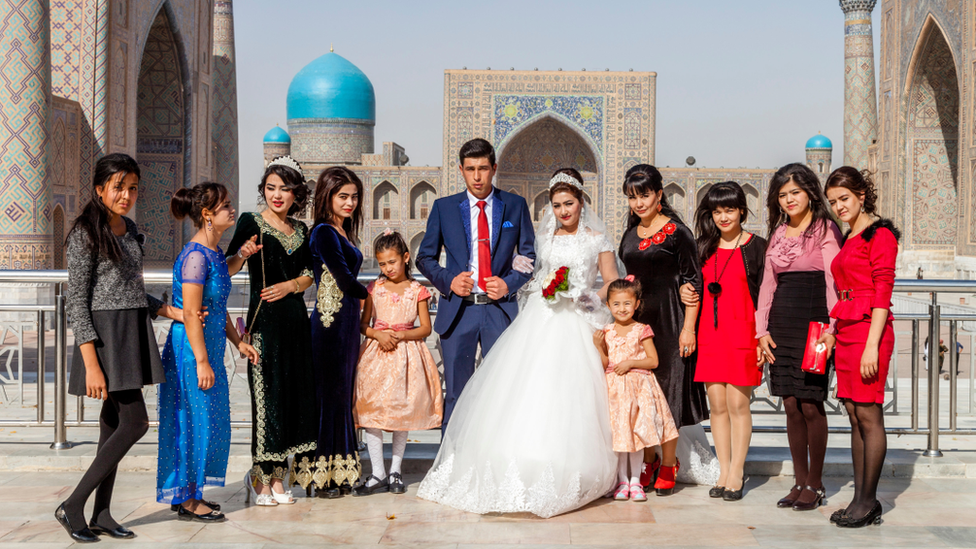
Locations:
{"points": [[277, 135], [819, 142], [331, 87]]}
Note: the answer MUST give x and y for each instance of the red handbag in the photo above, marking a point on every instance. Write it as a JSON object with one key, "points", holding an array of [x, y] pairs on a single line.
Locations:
{"points": [[815, 356]]}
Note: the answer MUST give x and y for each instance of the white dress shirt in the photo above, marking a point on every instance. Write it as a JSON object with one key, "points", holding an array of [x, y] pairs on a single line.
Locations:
{"points": [[475, 213]]}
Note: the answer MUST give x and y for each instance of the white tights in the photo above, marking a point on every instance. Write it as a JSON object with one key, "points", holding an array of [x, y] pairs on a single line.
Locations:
{"points": [[634, 459], [374, 442]]}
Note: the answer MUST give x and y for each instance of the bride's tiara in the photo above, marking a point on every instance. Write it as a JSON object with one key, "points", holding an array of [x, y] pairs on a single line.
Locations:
{"points": [[286, 160], [565, 178]]}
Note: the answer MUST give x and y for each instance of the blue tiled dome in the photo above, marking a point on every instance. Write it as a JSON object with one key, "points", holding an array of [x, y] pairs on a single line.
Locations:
{"points": [[331, 87], [277, 135], [819, 142]]}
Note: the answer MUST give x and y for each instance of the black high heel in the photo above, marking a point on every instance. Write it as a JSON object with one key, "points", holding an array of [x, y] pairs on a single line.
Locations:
{"points": [[716, 491], [821, 499], [790, 498], [81, 535], [839, 515], [873, 517]]}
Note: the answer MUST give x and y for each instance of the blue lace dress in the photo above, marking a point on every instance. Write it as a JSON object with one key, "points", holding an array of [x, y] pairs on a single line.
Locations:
{"points": [[194, 425]]}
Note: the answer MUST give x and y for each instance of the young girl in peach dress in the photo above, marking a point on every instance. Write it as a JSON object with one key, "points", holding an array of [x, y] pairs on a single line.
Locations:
{"points": [[639, 414], [398, 388]]}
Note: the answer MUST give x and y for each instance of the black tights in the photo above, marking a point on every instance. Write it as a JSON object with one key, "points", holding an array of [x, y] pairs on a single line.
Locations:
{"points": [[122, 422], [806, 429], [869, 444]]}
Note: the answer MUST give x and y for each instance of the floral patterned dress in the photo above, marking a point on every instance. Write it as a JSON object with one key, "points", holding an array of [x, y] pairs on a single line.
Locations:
{"points": [[399, 390], [639, 414]]}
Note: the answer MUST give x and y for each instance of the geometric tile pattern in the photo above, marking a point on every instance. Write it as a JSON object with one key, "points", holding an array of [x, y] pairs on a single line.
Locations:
{"points": [[933, 137], [66, 38], [224, 131], [24, 93], [332, 140], [609, 114], [156, 188], [860, 102], [160, 95]]}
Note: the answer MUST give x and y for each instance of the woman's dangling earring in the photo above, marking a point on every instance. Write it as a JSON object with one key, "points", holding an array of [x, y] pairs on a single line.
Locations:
{"points": [[659, 206], [209, 224]]}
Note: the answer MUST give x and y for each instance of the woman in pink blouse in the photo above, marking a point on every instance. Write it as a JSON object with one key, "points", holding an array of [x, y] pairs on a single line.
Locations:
{"points": [[798, 288], [865, 274]]}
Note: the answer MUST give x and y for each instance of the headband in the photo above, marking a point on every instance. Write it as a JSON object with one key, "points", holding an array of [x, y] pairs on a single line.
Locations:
{"points": [[286, 161], [565, 178]]}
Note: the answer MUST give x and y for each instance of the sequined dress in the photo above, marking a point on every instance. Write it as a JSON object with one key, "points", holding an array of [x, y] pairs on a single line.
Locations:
{"points": [[398, 390], [282, 383], [194, 425]]}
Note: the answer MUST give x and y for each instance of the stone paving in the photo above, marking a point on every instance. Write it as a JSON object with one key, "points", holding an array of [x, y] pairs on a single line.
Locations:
{"points": [[918, 512]]}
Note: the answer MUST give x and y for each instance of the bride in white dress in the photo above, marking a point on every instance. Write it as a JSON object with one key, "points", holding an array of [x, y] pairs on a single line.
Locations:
{"points": [[531, 430]]}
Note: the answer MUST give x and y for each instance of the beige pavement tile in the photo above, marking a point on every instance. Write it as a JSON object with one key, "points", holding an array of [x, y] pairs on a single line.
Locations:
{"points": [[172, 530], [707, 535], [276, 532], [950, 485], [743, 513], [955, 537], [910, 515], [48, 530], [39, 545], [280, 513], [829, 535], [7, 526], [478, 532], [52, 494]]}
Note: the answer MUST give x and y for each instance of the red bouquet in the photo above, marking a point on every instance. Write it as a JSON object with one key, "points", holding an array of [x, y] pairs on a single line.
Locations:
{"points": [[556, 282]]}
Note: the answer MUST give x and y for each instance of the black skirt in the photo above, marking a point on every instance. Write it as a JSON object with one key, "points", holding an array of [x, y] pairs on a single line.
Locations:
{"points": [[127, 352], [800, 298]]}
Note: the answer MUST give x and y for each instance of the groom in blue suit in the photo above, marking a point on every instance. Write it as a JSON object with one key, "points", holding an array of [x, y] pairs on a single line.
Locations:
{"points": [[481, 230]]}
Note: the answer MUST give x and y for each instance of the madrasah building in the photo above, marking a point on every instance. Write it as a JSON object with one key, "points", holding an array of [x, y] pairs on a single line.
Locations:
{"points": [[155, 79]]}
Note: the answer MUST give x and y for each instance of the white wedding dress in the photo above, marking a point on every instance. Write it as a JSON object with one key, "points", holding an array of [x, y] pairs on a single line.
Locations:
{"points": [[531, 430]]}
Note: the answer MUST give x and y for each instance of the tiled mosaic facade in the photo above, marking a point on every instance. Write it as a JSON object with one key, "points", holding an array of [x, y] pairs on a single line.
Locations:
{"points": [[330, 141], [25, 195], [607, 118], [860, 98], [72, 93], [226, 163], [925, 157]]}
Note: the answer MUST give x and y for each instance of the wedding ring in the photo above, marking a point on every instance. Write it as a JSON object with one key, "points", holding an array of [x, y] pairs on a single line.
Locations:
{"points": [[686, 349]]}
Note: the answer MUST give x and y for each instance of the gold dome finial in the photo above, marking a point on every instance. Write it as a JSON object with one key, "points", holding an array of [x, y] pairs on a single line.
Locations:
{"points": [[331, 49]]}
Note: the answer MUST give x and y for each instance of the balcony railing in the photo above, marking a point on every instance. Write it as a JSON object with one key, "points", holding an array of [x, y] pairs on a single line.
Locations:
{"points": [[43, 317]]}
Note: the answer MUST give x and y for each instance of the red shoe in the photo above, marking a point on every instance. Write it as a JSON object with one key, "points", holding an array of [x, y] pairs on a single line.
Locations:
{"points": [[649, 472], [665, 479]]}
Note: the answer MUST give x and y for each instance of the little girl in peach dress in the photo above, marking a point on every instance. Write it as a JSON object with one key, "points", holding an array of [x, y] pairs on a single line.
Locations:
{"points": [[398, 388], [639, 414]]}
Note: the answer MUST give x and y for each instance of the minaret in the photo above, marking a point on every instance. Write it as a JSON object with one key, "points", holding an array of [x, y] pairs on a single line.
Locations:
{"points": [[860, 99], [226, 168], [25, 99]]}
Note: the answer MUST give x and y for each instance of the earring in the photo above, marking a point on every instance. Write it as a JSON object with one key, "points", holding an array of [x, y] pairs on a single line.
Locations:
{"points": [[659, 206], [209, 224]]}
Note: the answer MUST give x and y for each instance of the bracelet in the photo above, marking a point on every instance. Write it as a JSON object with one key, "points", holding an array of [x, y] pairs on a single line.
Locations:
{"points": [[687, 330], [298, 287], [238, 254]]}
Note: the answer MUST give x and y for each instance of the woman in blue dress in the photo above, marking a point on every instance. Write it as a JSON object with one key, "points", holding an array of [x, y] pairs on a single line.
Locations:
{"points": [[335, 326], [194, 404]]}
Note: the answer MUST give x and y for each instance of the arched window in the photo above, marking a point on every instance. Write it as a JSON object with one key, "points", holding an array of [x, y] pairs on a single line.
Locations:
{"points": [[676, 197], [421, 198], [385, 201]]}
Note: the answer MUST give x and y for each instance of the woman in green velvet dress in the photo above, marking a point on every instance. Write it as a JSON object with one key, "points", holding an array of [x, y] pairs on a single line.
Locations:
{"points": [[282, 384]]}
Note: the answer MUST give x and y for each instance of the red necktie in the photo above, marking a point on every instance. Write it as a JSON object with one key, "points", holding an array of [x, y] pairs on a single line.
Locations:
{"points": [[484, 247]]}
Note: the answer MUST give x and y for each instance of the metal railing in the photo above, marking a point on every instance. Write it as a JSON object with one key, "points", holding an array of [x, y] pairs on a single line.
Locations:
{"points": [[934, 318]]}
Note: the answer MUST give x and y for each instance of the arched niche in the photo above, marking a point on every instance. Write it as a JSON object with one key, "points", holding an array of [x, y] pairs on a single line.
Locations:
{"points": [[415, 247], [676, 197], [385, 202], [752, 201], [422, 196]]}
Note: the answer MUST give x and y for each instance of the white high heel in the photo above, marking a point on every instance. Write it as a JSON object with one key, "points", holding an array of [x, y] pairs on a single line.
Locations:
{"points": [[262, 500], [283, 498]]}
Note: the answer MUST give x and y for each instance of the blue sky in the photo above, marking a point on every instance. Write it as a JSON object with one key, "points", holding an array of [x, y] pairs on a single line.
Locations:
{"points": [[740, 84]]}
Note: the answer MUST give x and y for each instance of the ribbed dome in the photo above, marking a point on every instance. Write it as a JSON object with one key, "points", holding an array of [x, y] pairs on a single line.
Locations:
{"points": [[819, 142], [277, 135], [331, 87]]}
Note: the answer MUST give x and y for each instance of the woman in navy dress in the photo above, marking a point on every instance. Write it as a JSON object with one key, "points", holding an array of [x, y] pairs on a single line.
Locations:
{"points": [[335, 326], [194, 403]]}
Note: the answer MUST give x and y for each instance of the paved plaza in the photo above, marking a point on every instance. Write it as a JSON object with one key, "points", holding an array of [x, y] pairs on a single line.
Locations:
{"points": [[918, 513]]}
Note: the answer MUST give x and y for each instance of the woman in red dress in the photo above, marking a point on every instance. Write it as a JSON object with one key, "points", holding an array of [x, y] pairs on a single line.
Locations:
{"points": [[864, 272], [728, 358]]}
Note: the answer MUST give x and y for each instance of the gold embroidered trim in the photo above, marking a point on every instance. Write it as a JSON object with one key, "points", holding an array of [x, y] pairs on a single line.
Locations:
{"points": [[257, 474], [336, 470], [279, 473], [304, 475], [257, 393], [290, 242], [328, 298], [307, 272]]}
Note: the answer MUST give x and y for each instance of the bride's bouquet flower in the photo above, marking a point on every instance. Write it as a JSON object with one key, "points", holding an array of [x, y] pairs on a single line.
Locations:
{"points": [[557, 281]]}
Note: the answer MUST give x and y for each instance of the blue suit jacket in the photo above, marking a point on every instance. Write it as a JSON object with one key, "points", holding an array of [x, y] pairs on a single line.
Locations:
{"points": [[449, 228]]}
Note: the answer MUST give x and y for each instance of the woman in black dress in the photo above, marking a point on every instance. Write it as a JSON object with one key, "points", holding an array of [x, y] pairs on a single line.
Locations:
{"points": [[335, 326], [279, 265], [660, 251]]}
